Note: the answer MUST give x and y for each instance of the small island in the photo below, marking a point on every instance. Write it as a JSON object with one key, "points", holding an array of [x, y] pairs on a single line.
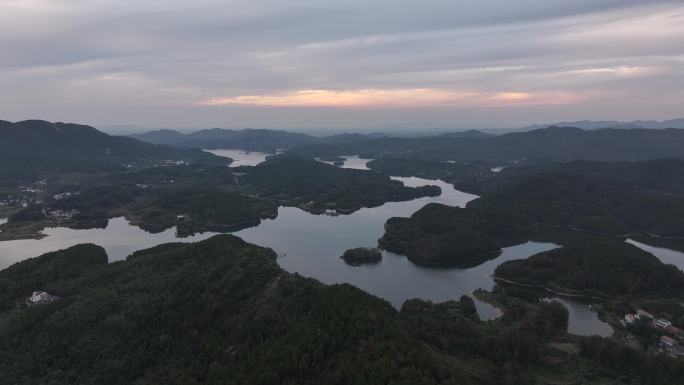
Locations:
{"points": [[440, 235], [362, 256], [320, 188]]}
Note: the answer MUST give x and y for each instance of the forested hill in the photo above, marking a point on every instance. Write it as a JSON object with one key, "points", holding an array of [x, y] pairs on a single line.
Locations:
{"points": [[444, 235], [616, 198], [558, 144], [48, 272], [221, 311], [587, 203], [316, 186], [601, 267], [36, 146], [665, 176]]}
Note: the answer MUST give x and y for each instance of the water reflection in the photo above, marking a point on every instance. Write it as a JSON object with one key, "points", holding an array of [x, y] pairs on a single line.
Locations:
{"points": [[666, 255], [583, 321], [350, 161], [242, 157], [119, 238], [312, 244], [354, 162]]}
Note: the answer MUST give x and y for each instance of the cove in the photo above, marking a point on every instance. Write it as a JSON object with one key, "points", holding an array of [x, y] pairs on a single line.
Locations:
{"points": [[241, 157]]}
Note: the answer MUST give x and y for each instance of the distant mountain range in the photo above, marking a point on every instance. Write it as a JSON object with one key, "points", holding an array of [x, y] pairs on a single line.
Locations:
{"points": [[263, 139], [598, 124], [466, 134], [248, 139], [552, 144], [269, 139]]}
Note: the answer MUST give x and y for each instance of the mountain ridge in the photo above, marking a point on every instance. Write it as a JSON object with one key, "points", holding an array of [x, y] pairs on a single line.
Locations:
{"points": [[34, 148], [549, 144], [598, 124], [266, 139]]}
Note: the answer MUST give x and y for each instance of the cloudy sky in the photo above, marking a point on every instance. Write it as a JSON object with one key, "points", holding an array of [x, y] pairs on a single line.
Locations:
{"points": [[354, 64]]}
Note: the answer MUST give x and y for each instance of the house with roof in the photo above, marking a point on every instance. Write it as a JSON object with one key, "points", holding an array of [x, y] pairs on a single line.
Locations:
{"points": [[662, 323], [668, 342], [644, 315], [40, 298]]}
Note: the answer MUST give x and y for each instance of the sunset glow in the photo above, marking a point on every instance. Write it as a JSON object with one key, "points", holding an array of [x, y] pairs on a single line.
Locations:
{"points": [[419, 97], [395, 63]]}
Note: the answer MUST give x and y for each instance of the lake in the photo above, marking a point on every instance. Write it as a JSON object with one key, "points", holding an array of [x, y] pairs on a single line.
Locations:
{"points": [[350, 161], [312, 244], [119, 238], [583, 320], [673, 257], [242, 157]]}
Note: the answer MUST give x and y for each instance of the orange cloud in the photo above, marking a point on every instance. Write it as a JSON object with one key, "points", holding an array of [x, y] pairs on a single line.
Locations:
{"points": [[411, 97]]}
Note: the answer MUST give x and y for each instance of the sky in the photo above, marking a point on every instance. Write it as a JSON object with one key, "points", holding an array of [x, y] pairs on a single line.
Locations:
{"points": [[340, 64]]}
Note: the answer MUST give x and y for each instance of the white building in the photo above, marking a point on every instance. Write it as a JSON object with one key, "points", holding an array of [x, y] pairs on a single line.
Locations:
{"points": [[663, 323], [39, 297]]}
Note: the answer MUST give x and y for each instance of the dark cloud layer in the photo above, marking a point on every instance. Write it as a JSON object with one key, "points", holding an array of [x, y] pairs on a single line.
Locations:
{"points": [[356, 64]]}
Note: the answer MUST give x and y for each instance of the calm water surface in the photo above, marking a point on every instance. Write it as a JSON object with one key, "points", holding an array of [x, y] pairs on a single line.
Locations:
{"points": [[242, 157], [312, 244], [351, 161], [670, 256], [119, 239], [583, 320]]}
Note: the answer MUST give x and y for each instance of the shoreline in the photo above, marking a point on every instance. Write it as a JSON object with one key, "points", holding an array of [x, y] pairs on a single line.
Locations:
{"points": [[550, 290]]}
